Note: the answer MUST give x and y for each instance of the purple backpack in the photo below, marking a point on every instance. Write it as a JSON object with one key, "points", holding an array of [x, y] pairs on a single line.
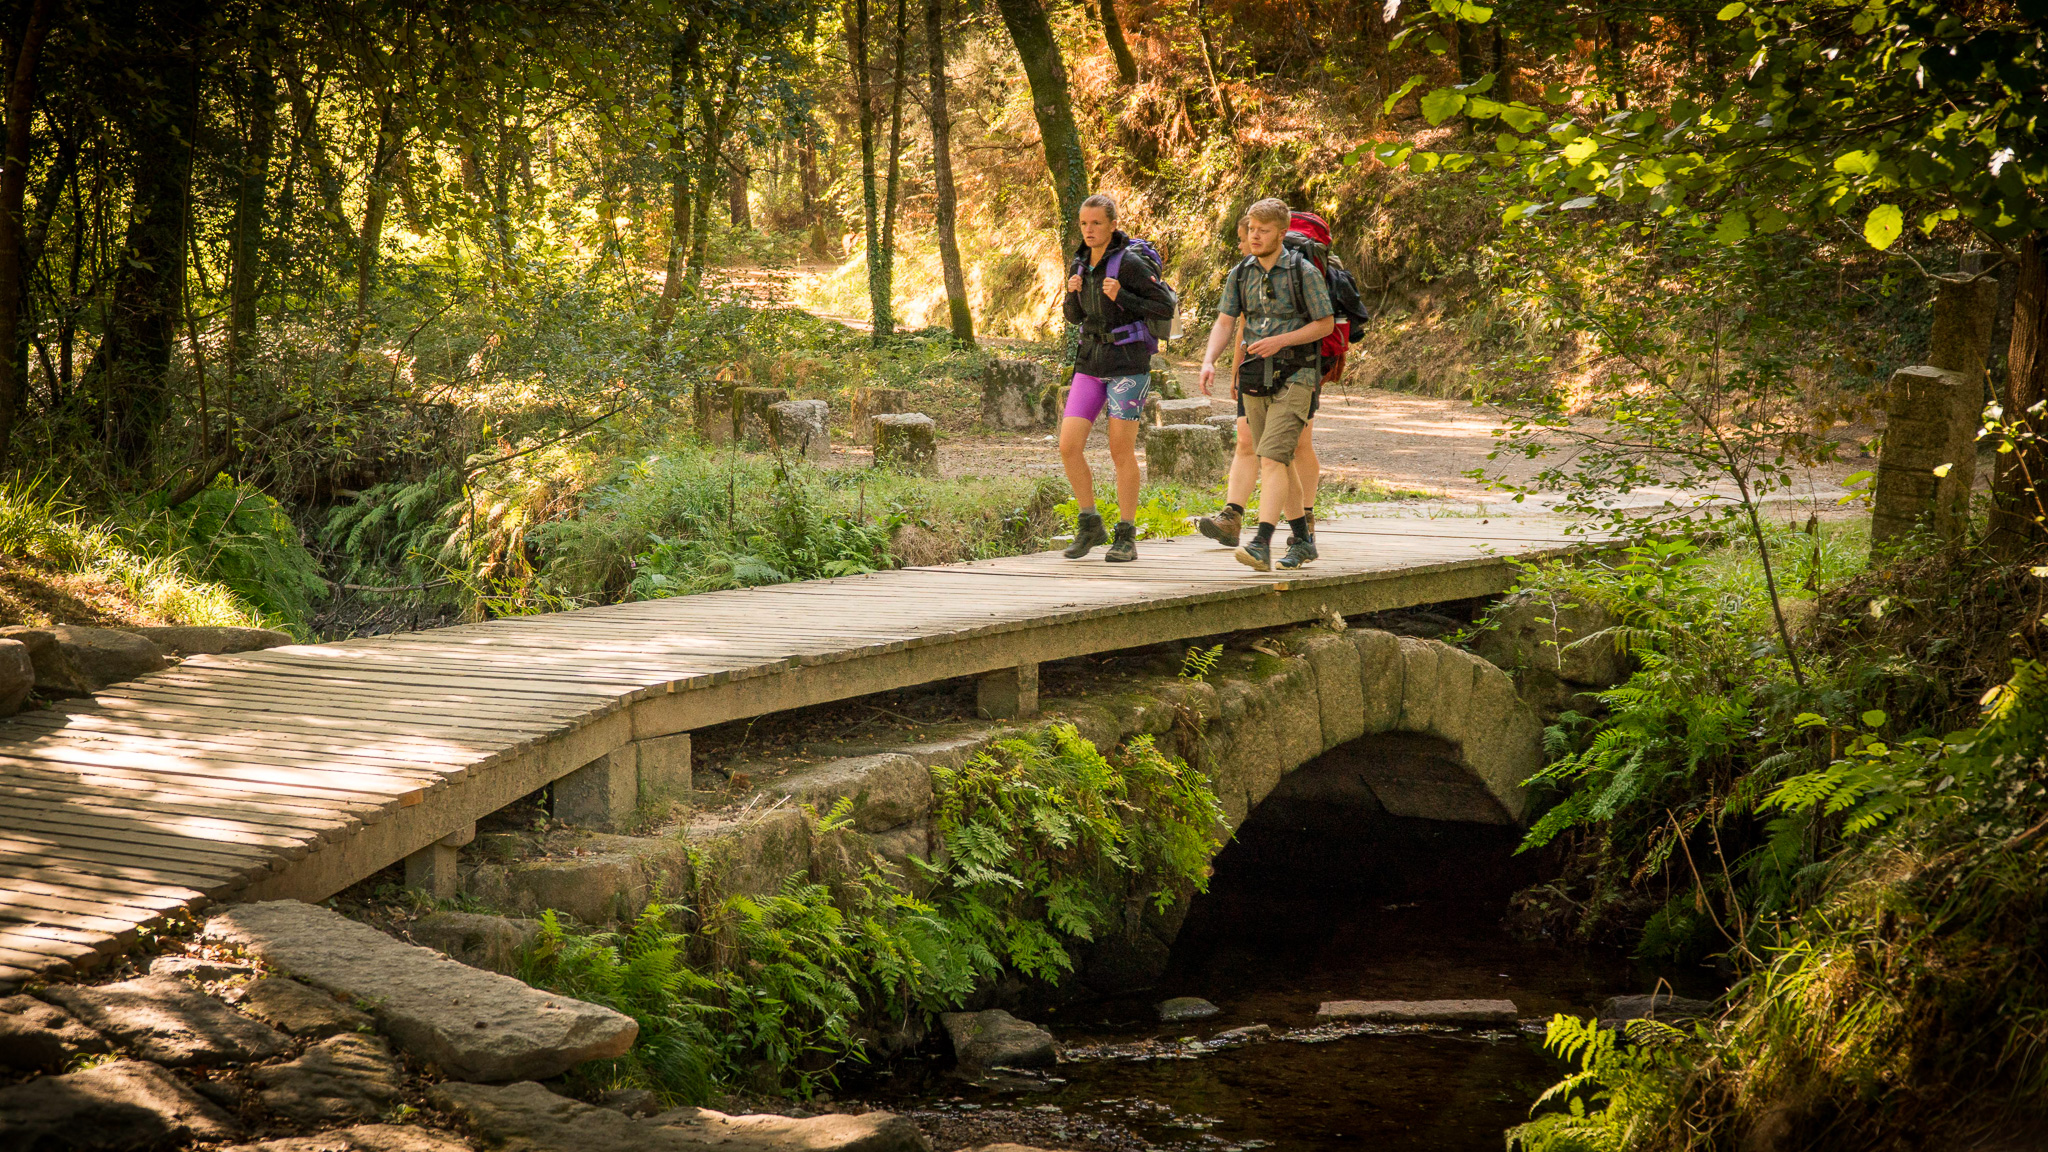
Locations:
{"points": [[1149, 331]]}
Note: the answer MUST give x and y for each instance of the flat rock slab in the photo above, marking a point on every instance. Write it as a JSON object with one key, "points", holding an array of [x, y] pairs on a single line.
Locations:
{"points": [[39, 1037], [198, 968], [290, 1006], [167, 1020], [492, 943], [475, 1025], [1184, 1008], [1421, 1011], [364, 1138], [124, 1105], [529, 1118], [996, 1039], [340, 1079]]}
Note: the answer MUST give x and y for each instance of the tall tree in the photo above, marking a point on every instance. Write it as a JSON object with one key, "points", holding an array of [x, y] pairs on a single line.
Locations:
{"points": [[20, 110], [258, 90], [685, 50], [1212, 68], [882, 318], [1113, 33], [1053, 107], [944, 210], [898, 74]]}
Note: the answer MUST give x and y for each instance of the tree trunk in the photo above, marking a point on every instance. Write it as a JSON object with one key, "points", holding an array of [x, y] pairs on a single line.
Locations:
{"points": [[682, 60], [2020, 489], [1050, 103], [881, 318], [129, 371], [21, 99], [807, 181], [1212, 68], [1113, 32], [714, 112], [245, 242], [942, 174], [376, 205], [740, 215], [898, 72]]}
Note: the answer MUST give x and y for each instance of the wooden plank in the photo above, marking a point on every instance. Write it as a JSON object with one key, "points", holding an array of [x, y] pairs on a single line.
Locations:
{"points": [[287, 726], [322, 826], [36, 928], [207, 732], [212, 879], [403, 700], [395, 711], [391, 785], [277, 800], [90, 830], [12, 874]]}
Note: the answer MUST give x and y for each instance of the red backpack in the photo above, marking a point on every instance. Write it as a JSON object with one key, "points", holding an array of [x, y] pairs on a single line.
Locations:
{"points": [[1309, 235]]}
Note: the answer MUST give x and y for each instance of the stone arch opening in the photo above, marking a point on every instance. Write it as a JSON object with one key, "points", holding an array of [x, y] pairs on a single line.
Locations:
{"points": [[1355, 842]]}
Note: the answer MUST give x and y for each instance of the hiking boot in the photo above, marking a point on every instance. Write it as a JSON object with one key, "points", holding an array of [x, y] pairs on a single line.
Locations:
{"points": [[1087, 534], [1224, 527], [1125, 548], [1299, 552], [1256, 554]]}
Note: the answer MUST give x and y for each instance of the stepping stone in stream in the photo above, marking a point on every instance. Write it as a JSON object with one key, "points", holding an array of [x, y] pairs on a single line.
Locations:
{"points": [[1184, 1008], [475, 1025], [119, 1106], [530, 1118], [166, 1020], [996, 1039], [1421, 1011]]}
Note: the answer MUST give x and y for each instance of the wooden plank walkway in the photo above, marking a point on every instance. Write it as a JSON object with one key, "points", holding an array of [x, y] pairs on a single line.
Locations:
{"points": [[300, 770]]}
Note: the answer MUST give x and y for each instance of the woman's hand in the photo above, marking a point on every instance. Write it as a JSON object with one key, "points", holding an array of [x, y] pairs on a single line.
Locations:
{"points": [[1110, 288], [1074, 282]]}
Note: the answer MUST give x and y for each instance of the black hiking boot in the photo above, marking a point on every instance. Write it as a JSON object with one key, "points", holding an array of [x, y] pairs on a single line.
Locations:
{"points": [[1087, 534], [1125, 548], [1300, 551], [1224, 527], [1256, 554]]}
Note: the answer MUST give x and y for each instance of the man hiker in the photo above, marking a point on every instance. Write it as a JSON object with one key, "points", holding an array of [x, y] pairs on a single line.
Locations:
{"points": [[1227, 526], [1113, 290], [1286, 308]]}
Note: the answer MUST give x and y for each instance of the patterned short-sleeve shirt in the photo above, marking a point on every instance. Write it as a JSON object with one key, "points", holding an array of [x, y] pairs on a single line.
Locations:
{"points": [[1266, 298]]}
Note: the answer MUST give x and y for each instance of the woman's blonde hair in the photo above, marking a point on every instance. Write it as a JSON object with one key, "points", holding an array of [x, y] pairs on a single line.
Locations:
{"points": [[1104, 201]]}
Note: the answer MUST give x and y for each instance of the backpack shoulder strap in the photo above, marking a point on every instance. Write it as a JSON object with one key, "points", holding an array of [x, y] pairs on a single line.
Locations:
{"points": [[1114, 265]]}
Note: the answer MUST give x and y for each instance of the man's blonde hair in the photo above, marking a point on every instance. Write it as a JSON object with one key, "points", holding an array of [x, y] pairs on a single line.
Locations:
{"points": [[1271, 211]]}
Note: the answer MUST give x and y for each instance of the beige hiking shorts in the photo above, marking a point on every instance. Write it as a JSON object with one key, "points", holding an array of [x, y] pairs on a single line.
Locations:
{"points": [[1275, 422]]}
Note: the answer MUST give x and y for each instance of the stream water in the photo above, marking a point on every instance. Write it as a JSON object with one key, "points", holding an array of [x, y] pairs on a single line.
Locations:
{"points": [[1311, 902]]}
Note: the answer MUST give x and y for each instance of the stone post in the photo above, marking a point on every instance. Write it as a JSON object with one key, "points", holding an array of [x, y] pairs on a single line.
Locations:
{"points": [[1194, 411], [1961, 343], [750, 414], [1008, 693], [432, 869], [711, 405], [1226, 424], [1010, 395], [1191, 453], [869, 403], [602, 794], [1918, 438], [907, 442], [798, 427], [663, 764]]}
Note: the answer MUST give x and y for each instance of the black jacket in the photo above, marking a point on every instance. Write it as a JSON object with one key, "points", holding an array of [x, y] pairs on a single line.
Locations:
{"points": [[1139, 298]]}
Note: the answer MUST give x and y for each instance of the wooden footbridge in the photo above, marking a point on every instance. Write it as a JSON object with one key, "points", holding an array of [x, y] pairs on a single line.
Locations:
{"points": [[298, 771]]}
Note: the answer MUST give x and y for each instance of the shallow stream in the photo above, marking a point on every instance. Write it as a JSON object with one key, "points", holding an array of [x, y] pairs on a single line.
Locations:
{"points": [[1312, 902]]}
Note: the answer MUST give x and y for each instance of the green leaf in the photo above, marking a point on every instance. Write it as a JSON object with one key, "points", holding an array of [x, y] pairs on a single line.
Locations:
{"points": [[1873, 718], [1857, 163], [1770, 220], [1520, 117], [1410, 85], [1581, 150], [1733, 228], [1436, 44], [1577, 203], [1441, 105], [1883, 225], [1420, 162], [1731, 11]]}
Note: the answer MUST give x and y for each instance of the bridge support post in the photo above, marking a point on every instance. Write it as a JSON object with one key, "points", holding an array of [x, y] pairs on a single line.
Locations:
{"points": [[603, 793], [432, 869], [664, 763], [1008, 693]]}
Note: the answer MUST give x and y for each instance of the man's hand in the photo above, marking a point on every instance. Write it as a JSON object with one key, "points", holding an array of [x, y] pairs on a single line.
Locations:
{"points": [[1268, 345], [1074, 283], [1110, 288], [1208, 376]]}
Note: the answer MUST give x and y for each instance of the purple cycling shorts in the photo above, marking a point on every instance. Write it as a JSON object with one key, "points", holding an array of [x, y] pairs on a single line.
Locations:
{"points": [[1125, 396]]}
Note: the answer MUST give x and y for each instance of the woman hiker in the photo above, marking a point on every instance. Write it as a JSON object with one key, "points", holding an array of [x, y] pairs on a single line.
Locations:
{"points": [[1113, 368]]}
